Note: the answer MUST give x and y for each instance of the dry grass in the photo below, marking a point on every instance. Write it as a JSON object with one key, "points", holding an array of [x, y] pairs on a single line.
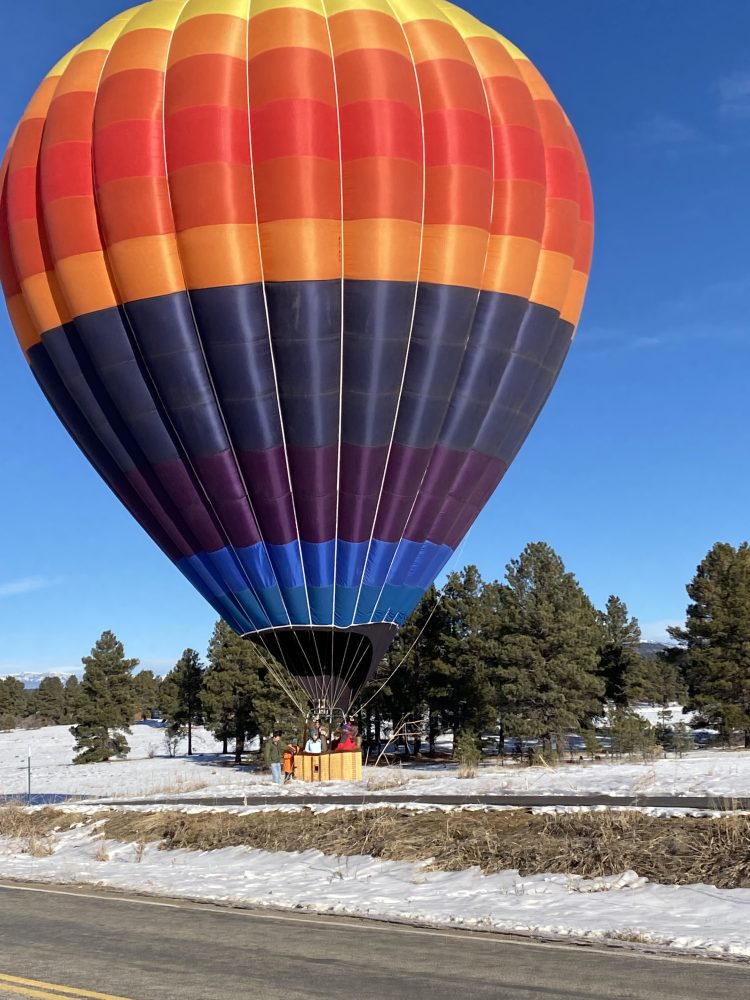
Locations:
{"points": [[33, 830], [674, 851]]}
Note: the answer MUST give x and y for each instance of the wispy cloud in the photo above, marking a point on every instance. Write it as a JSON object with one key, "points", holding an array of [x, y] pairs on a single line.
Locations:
{"points": [[662, 130], [734, 95], [27, 585]]}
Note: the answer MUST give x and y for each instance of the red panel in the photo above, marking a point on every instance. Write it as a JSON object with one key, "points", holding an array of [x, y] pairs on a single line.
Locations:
{"points": [[380, 128], [23, 203], [291, 72], [129, 149], [211, 194], [519, 153], [457, 137], [66, 170], [207, 135], [562, 174], [294, 128]]}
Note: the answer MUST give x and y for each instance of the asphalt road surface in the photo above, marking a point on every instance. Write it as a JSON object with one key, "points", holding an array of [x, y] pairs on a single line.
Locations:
{"points": [[84, 944], [292, 796]]}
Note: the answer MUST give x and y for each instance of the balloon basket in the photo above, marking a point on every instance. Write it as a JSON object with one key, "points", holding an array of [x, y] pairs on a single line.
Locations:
{"points": [[344, 766]]}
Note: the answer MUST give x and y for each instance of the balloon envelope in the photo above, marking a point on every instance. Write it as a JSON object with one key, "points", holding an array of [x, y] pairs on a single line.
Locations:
{"points": [[298, 276]]}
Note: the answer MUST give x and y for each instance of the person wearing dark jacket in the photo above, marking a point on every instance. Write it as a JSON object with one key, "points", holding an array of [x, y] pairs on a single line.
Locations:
{"points": [[274, 756]]}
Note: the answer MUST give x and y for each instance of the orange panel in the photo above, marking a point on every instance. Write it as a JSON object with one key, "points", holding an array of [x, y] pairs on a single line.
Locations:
{"points": [[206, 79], [71, 226], [292, 72], [552, 279], [355, 30], [145, 48], [216, 33], [383, 188], [454, 255], [491, 57], [451, 83], [519, 210], [214, 256], [134, 206], [146, 267], [45, 301], [459, 195], [207, 194], [87, 283], [69, 119], [275, 29], [574, 302], [37, 106], [561, 229], [382, 250], [376, 75], [83, 72], [27, 250], [26, 145], [131, 94], [23, 324], [511, 265], [299, 187], [436, 40], [301, 249], [510, 102]]}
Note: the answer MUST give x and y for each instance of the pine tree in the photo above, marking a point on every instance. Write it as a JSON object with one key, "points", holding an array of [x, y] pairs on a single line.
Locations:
{"points": [[240, 698], [628, 676], [73, 698], [49, 701], [716, 639], [13, 698], [180, 695], [107, 704], [146, 692], [548, 641]]}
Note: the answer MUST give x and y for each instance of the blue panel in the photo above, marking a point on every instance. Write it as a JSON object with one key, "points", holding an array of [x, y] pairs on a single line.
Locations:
{"points": [[379, 562], [285, 567], [319, 557], [321, 605], [346, 600]]}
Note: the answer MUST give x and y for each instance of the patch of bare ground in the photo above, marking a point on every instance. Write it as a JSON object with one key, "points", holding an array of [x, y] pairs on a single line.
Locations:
{"points": [[670, 850]]}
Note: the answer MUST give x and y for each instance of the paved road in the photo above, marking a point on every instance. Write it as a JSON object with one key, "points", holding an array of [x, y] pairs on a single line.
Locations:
{"points": [[126, 947], [523, 801]]}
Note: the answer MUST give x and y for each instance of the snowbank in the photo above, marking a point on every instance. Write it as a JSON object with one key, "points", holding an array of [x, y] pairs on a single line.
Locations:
{"points": [[699, 919]]}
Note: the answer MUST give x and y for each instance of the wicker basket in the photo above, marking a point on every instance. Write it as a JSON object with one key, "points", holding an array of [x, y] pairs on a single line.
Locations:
{"points": [[344, 766]]}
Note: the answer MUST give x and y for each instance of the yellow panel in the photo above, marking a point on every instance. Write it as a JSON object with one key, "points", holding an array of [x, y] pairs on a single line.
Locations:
{"points": [[417, 10], [107, 35], [538, 86], [509, 47], [466, 25], [199, 8], [87, 282], [339, 6], [552, 279], [261, 6], [157, 14]]}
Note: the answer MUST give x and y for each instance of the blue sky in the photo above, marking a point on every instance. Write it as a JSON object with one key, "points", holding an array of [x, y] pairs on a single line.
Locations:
{"points": [[638, 463]]}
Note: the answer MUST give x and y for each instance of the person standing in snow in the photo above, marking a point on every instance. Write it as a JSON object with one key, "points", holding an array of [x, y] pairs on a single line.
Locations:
{"points": [[273, 757]]}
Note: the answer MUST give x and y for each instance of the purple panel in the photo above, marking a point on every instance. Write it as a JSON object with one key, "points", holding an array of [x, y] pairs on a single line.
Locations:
{"points": [[267, 480], [314, 477], [222, 480]]}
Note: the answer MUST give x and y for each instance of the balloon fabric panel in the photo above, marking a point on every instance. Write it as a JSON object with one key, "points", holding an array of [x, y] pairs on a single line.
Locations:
{"points": [[298, 277]]}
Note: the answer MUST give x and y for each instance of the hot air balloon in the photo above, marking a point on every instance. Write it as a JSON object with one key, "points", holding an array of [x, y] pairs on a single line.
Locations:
{"points": [[298, 276]]}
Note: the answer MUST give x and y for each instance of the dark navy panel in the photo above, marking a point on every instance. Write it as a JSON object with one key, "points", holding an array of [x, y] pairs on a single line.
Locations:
{"points": [[305, 318], [234, 331]]}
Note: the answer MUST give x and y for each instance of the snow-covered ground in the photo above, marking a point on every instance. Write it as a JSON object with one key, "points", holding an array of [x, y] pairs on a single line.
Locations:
{"points": [[148, 771], [625, 907]]}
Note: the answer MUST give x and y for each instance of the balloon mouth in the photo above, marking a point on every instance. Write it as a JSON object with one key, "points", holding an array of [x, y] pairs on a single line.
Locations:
{"points": [[330, 664]]}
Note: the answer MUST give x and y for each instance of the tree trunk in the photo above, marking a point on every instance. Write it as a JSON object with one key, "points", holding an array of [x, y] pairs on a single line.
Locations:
{"points": [[190, 736], [224, 743], [747, 739]]}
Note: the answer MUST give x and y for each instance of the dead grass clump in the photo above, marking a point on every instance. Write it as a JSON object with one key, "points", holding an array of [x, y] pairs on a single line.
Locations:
{"points": [[672, 850], [18, 822]]}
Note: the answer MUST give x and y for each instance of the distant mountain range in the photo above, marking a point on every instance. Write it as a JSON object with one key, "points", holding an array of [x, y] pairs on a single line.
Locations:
{"points": [[32, 680], [651, 649]]}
